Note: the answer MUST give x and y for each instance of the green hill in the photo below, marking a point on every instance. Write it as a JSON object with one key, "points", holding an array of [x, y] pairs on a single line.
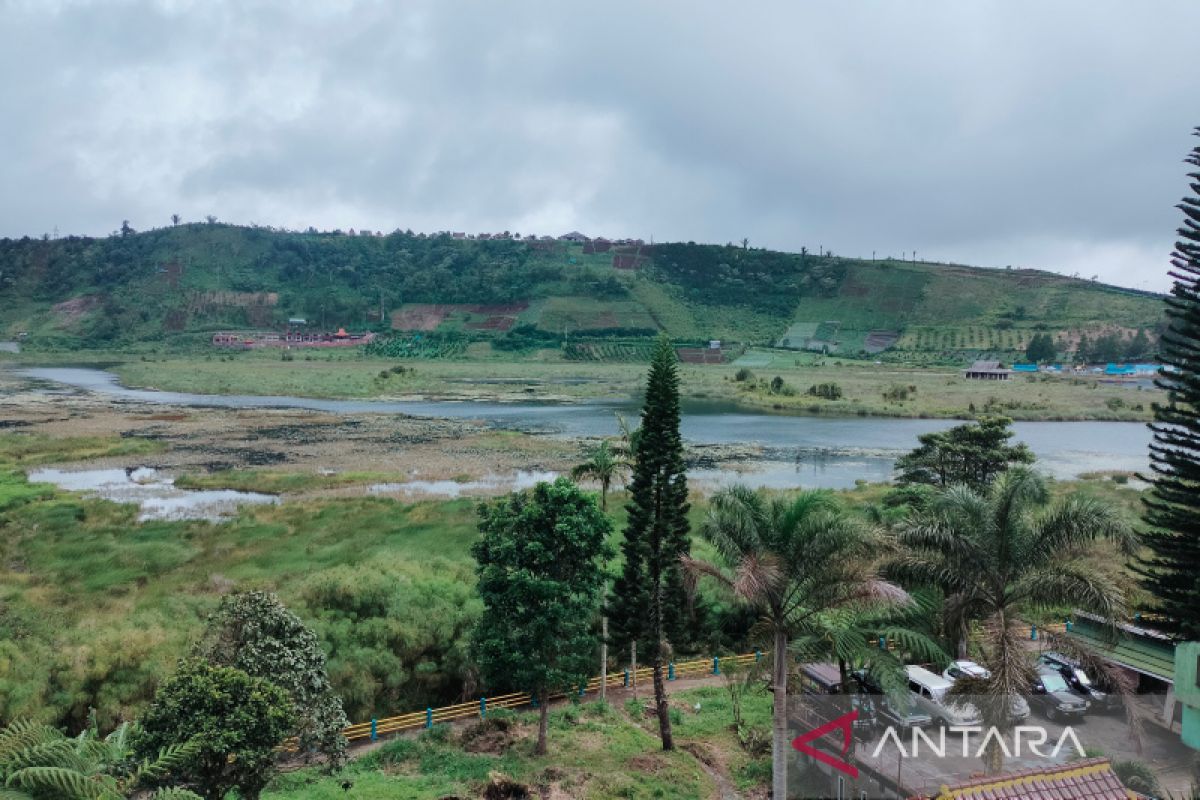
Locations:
{"points": [[171, 288]]}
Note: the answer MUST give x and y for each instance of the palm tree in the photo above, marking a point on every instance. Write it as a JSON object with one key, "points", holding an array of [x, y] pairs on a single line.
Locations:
{"points": [[603, 465], [850, 636], [38, 762], [1005, 557], [792, 559]]}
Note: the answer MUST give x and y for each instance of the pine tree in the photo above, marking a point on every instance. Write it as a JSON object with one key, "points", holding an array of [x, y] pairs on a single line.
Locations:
{"points": [[1172, 510], [649, 604]]}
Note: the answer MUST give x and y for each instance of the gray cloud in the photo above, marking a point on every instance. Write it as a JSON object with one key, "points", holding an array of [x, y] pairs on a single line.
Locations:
{"points": [[1023, 133]]}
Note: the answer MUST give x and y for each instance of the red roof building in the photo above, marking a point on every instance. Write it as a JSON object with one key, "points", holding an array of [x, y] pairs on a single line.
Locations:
{"points": [[1091, 779]]}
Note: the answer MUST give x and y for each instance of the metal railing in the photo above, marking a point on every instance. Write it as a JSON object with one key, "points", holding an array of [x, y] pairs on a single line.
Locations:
{"points": [[376, 728]]}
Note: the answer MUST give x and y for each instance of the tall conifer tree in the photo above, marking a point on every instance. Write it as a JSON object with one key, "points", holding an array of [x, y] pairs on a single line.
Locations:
{"points": [[649, 603], [1172, 572]]}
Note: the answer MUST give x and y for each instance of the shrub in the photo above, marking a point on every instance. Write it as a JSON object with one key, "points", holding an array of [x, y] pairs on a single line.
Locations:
{"points": [[826, 391], [743, 374], [235, 722]]}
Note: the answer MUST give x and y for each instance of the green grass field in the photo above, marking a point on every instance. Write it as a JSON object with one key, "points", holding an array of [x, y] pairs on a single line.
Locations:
{"points": [[939, 391], [596, 751]]}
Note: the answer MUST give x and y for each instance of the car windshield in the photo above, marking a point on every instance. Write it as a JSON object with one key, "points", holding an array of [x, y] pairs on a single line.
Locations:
{"points": [[1054, 683], [1082, 677]]}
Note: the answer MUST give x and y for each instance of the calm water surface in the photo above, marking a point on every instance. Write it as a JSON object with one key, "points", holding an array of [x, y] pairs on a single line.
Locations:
{"points": [[827, 452]]}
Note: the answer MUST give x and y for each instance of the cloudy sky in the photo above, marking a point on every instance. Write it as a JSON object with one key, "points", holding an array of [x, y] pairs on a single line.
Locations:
{"points": [[1014, 132]]}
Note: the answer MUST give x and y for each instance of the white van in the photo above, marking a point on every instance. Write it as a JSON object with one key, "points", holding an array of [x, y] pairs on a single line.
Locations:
{"points": [[929, 690]]}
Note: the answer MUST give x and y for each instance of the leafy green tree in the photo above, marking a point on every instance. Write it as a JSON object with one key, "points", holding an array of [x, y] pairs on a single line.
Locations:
{"points": [[1005, 556], [234, 720], [792, 559], [1172, 510], [603, 465], [1041, 349], [1083, 350], [38, 762], [1139, 347], [972, 454], [254, 632], [1107, 348], [540, 576], [649, 603]]}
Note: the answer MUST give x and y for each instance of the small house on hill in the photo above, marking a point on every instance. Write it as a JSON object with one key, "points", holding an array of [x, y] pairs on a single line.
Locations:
{"points": [[573, 236], [987, 371]]}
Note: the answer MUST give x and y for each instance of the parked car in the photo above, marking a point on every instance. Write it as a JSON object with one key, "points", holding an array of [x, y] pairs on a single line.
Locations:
{"points": [[1018, 706], [1054, 697], [823, 680], [1081, 683], [930, 692], [900, 712]]}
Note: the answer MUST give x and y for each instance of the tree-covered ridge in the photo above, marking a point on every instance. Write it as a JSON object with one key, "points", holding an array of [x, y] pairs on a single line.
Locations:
{"points": [[174, 286]]}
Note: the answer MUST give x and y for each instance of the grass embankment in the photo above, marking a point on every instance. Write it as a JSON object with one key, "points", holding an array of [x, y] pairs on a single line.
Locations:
{"points": [[867, 389], [266, 482], [596, 751], [95, 606]]}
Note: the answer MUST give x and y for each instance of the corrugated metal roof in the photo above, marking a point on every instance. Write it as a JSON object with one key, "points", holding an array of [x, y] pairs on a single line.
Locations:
{"points": [[1138, 649]]}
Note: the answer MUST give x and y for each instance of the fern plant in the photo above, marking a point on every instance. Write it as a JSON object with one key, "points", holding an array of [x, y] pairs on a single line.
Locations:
{"points": [[38, 762]]}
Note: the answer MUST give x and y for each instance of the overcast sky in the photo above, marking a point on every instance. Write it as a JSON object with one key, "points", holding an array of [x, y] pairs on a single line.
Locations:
{"points": [[1035, 134]]}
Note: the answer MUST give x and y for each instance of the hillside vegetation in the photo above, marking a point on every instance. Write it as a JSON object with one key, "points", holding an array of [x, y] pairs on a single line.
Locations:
{"points": [[169, 289]]}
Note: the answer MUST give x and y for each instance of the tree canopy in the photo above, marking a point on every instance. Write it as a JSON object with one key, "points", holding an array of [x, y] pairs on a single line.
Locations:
{"points": [[972, 454], [1172, 570], [234, 721], [256, 633], [540, 577], [650, 604]]}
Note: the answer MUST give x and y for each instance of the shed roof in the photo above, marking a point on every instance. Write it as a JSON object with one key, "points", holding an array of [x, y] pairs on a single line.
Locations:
{"points": [[1140, 649]]}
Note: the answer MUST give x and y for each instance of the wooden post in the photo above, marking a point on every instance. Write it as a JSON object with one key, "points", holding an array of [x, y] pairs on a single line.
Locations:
{"points": [[633, 660], [603, 658]]}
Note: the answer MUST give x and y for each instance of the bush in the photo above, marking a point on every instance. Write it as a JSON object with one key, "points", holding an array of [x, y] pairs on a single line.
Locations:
{"points": [[897, 393], [743, 374], [235, 722], [826, 391]]}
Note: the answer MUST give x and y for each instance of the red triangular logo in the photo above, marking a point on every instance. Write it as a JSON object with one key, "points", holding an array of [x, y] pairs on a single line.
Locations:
{"points": [[845, 723]]}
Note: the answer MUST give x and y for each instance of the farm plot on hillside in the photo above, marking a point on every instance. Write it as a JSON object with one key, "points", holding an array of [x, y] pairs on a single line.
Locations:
{"points": [[450, 316], [570, 314]]}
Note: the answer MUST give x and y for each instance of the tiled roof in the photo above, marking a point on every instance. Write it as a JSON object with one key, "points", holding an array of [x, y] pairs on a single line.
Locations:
{"points": [[1092, 779]]}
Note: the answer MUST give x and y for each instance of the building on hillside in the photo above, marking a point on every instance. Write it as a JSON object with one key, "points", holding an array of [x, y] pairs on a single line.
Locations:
{"points": [[297, 322], [292, 337], [1090, 779], [573, 236], [987, 371], [1024, 367]]}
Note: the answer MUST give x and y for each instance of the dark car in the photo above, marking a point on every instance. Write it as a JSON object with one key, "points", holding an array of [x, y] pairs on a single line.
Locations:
{"points": [[1081, 683], [823, 680], [1054, 698], [901, 712]]}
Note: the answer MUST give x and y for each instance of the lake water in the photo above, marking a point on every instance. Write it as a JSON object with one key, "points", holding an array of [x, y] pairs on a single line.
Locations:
{"points": [[155, 494], [830, 452]]}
